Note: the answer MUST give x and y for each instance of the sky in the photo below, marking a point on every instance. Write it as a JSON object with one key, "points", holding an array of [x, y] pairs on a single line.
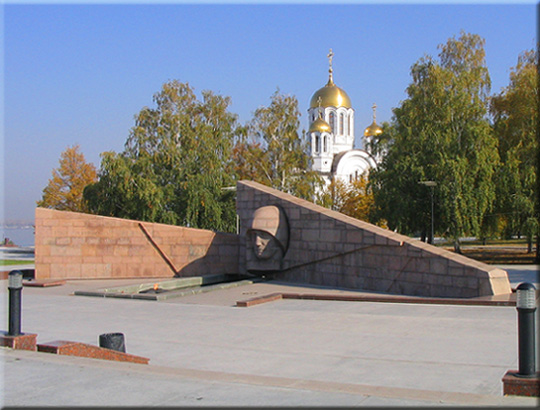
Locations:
{"points": [[78, 73]]}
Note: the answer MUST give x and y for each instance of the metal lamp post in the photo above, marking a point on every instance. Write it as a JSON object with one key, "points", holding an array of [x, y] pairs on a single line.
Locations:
{"points": [[15, 279], [432, 185], [526, 306]]}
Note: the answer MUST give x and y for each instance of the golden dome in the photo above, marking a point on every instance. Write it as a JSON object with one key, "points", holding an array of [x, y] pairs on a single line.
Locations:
{"points": [[331, 96], [319, 125], [373, 130]]}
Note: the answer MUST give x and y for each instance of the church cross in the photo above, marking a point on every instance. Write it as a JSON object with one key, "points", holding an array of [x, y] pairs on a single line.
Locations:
{"points": [[374, 106], [330, 56], [330, 70]]}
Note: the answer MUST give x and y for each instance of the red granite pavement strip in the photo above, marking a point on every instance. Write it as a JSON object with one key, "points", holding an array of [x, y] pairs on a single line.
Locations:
{"points": [[258, 300], [43, 283], [504, 300], [64, 347]]}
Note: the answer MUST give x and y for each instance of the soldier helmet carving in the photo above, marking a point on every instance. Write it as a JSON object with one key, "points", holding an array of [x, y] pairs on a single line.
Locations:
{"points": [[272, 219]]}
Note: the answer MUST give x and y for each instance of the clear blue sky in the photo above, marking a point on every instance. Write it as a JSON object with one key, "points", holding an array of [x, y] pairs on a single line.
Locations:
{"points": [[78, 73]]}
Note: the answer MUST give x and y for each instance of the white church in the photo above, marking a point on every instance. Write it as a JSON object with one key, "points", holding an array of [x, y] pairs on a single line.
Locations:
{"points": [[331, 129]]}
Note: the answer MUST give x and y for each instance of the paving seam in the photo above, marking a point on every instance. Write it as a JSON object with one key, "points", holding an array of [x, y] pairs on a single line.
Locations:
{"points": [[463, 398]]}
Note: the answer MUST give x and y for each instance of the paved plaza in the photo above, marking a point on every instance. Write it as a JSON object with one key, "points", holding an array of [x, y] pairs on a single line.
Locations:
{"points": [[205, 351]]}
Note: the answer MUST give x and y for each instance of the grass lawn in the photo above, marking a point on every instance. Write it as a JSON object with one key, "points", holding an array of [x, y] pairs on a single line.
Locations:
{"points": [[509, 251], [500, 256], [11, 262]]}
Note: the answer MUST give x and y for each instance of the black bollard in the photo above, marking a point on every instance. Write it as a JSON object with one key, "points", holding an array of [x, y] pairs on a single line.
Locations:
{"points": [[113, 341], [526, 306], [15, 278]]}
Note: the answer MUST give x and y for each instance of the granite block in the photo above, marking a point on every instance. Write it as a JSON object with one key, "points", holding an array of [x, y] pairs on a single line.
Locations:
{"points": [[25, 341], [44, 283], [68, 348], [520, 386], [259, 300]]}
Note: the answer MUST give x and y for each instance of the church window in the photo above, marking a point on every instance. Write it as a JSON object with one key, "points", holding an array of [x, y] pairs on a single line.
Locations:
{"points": [[332, 121], [341, 123], [349, 124], [317, 143], [325, 147]]}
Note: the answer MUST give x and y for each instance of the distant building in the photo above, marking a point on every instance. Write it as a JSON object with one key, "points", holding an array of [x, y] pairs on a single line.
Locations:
{"points": [[331, 129]]}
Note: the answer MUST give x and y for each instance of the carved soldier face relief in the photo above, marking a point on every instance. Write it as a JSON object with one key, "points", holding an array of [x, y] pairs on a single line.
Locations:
{"points": [[264, 245], [267, 239]]}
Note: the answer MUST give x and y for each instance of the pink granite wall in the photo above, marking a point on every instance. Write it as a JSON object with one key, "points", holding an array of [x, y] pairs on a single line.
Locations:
{"points": [[331, 249], [71, 245]]}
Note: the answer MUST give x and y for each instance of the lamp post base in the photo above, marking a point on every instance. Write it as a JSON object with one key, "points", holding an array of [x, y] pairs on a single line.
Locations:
{"points": [[24, 341], [516, 385]]}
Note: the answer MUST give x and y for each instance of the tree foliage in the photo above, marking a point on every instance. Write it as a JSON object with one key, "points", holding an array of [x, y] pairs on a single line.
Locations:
{"points": [[175, 164], [353, 199], [65, 189], [441, 133], [272, 152], [515, 121]]}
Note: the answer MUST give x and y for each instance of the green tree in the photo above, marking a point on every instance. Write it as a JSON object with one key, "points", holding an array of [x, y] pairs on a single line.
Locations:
{"points": [[333, 195], [441, 133], [515, 121], [175, 164], [247, 158], [65, 189], [353, 199], [272, 151]]}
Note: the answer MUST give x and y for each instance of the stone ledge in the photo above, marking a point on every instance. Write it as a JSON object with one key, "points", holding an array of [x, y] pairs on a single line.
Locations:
{"points": [[25, 341], [68, 348], [520, 386]]}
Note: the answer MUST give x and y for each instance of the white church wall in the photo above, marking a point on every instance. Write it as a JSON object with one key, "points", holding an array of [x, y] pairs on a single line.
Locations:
{"points": [[353, 164]]}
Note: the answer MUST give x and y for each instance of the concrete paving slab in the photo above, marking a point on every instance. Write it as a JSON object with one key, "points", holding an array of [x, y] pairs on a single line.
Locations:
{"points": [[76, 382], [41, 379], [288, 352], [522, 273]]}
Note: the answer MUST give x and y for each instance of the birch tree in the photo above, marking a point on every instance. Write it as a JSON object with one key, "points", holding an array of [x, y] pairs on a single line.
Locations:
{"points": [[515, 116], [275, 152], [175, 164], [442, 133], [64, 190]]}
